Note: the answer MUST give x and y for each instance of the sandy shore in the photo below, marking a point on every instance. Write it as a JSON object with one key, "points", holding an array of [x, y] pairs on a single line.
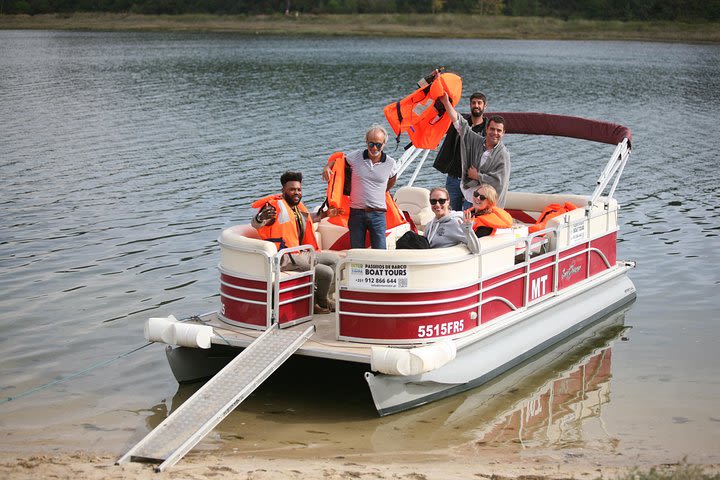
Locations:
{"points": [[87, 466], [201, 465]]}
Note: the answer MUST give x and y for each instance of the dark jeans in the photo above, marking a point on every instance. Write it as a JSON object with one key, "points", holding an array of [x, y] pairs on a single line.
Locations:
{"points": [[456, 196], [360, 222]]}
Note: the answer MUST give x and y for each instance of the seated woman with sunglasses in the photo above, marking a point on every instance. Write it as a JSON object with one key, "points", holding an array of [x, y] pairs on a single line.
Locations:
{"points": [[448, 228], [486, 218]]}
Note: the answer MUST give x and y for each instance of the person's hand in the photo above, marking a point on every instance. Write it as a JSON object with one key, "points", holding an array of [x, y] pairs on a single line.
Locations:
{"points": [[468, 216], [445, 99], [326, 173], [473, 173], [335, 212], [266, 213]]}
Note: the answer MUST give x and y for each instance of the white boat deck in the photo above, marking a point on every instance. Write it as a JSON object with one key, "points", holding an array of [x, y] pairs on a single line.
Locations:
{"points": [[322, 344]]}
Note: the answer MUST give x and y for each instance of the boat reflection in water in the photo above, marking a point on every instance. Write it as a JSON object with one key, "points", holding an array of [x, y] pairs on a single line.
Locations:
{"points": [[545, 401], [554, 411]]}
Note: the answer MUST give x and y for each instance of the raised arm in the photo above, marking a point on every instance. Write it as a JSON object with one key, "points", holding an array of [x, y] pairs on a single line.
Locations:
{"points": [[449, 108]]}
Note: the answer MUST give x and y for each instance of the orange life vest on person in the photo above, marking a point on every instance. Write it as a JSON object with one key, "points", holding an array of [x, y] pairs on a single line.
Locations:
{"points": [[427, 128], [552, 210], [338, 196], [283, 232], [497, 218]]}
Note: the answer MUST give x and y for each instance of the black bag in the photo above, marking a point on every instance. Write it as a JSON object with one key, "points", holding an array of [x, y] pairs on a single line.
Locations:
{"points": [[412, 241]]}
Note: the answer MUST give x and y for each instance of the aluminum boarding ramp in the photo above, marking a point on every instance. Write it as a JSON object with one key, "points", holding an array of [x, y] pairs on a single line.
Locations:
{"points": [[215, 400]]}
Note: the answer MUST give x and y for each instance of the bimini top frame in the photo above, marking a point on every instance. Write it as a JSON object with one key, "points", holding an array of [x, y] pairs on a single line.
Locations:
{"points": [[531, 123]]}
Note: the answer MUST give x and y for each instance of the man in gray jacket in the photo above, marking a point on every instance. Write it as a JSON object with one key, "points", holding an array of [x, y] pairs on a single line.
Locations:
{"points": [[484, 159]]}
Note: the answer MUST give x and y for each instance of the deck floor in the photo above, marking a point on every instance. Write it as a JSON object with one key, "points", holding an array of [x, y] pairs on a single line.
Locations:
{"points": [[322, 344]]}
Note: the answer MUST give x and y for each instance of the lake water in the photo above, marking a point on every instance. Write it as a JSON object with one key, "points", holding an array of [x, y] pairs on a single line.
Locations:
{"points": [[123, 156]]}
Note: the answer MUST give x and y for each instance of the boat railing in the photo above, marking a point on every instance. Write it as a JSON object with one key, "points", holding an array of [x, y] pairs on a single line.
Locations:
{"points": [[301, 289], [421, 287], [532, 264], [454, 284], [256, 288]]}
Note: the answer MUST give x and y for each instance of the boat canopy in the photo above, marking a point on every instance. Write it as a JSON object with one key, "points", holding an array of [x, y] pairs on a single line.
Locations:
{"points": [[532, 123]]}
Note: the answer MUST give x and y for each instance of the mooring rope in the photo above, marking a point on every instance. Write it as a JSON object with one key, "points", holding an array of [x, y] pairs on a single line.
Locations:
{"points": [[73, 375], [85, 370]]}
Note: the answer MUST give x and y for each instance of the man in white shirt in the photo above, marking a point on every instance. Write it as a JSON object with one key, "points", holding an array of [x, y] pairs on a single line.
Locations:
{"points": [[373, 173]]}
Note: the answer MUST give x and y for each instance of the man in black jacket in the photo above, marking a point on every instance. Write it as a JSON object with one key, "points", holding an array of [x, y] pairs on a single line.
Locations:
{"points": [[448, 158]]}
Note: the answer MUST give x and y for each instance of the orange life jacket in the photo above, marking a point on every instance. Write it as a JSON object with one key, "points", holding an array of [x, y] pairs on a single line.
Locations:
{"points": [[497, 218], [552, 210], [339, 199], [283, 232], [337, 196], [427, 128], [393, 215]]}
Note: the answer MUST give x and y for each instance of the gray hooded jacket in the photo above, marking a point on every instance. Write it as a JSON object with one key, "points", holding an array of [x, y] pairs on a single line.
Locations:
{"points": [[451, 230], [495, 171]]}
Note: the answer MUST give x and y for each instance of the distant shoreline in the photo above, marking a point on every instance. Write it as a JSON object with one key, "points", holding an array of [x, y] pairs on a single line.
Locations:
{"points": [[392, 25]]}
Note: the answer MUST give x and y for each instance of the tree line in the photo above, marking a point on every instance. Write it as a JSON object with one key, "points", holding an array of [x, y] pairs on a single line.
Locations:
{"points": [[683, 10]]}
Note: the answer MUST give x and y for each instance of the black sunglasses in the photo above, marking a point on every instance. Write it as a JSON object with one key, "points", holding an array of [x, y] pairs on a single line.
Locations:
{"points": [[441, 201], [377, 145], [479, 195]]}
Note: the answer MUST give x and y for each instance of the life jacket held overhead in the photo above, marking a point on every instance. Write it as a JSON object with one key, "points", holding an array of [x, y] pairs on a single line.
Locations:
{"points": [[428, 127], [283, 232]]}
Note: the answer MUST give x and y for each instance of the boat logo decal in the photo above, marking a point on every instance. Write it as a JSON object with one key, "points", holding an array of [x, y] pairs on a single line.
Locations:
{"points": [[570, 271]]}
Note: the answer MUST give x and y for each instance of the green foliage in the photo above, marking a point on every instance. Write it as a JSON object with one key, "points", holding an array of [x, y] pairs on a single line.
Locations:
{"points": [[617, 9], [19, 6], [670, 10], [682, 471]]}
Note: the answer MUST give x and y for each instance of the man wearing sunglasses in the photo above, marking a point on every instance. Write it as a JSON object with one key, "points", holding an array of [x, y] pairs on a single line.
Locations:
{"points": [[484, 159], [373, 173]]}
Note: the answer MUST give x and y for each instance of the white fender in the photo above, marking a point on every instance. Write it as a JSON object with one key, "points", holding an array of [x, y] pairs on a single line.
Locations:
{"points": [[159, 329], [413, 361], [169, 330]]}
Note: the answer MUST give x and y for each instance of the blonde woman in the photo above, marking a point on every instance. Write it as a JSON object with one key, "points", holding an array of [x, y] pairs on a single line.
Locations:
{"points": [[484, 215]]}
